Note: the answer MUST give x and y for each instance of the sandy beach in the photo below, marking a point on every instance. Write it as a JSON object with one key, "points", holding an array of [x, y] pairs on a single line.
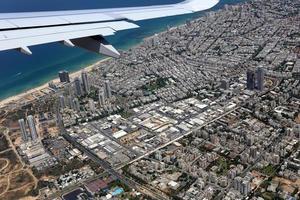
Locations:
{"points": [[16, 98]]}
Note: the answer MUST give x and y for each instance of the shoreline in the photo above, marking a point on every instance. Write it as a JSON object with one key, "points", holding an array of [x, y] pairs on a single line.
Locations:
{"points": [[11, 100]]}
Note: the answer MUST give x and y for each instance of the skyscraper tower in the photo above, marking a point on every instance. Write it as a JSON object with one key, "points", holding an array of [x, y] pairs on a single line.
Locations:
{"points": [[62, 101], [77, 85], [76, 104], [253, 151], [23, 130], [260, 76], [59, 119], [92, 105], [101, 98], [71, 103], [107, 89], [85, 82], [250, 80], [64, 76], [32, 127], [237, 183], [245, 187]]}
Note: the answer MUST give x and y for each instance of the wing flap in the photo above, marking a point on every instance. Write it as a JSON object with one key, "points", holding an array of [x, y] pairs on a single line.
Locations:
{"points": [[121, 25], [17, 42], [13, 39]]}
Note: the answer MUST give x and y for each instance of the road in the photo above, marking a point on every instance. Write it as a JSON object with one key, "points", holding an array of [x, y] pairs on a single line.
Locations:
{"points": [[108, 168], [250, 167], [178, 138], [105, 165], [131, 183]]}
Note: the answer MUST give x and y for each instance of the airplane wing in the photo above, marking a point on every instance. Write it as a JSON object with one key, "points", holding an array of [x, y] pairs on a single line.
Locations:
{"points": [[83, 28]]}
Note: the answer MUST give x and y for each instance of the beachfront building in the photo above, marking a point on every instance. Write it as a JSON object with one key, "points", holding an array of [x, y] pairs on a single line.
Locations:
{"points": [[64, 76]]}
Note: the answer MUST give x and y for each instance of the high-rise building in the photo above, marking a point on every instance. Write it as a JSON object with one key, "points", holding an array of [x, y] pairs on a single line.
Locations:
{"points": [[101, 98], [71, 103], [23, 130], [92, 105], [77, 85], [31, 124], [245, 187], [59, 119], [253, 151], [64, 76], [85, 82], [76, 104], [260, 76], [237, 183], [107, 89], [62, 102], [68, 89], [250, 80]]}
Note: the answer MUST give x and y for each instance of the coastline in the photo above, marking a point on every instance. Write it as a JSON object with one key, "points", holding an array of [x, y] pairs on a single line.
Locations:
{"points": [[15, 98]]}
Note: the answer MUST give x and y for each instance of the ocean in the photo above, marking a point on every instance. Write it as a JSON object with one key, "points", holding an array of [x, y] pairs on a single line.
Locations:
{"points": [[19, 72]]}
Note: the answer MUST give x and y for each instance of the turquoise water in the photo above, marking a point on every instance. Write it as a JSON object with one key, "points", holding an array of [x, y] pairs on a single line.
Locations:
{"points": [[117, 191], [19, 72]]}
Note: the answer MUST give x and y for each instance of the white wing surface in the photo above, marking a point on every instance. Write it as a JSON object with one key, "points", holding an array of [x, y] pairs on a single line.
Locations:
{"points": [[83, 28]]}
